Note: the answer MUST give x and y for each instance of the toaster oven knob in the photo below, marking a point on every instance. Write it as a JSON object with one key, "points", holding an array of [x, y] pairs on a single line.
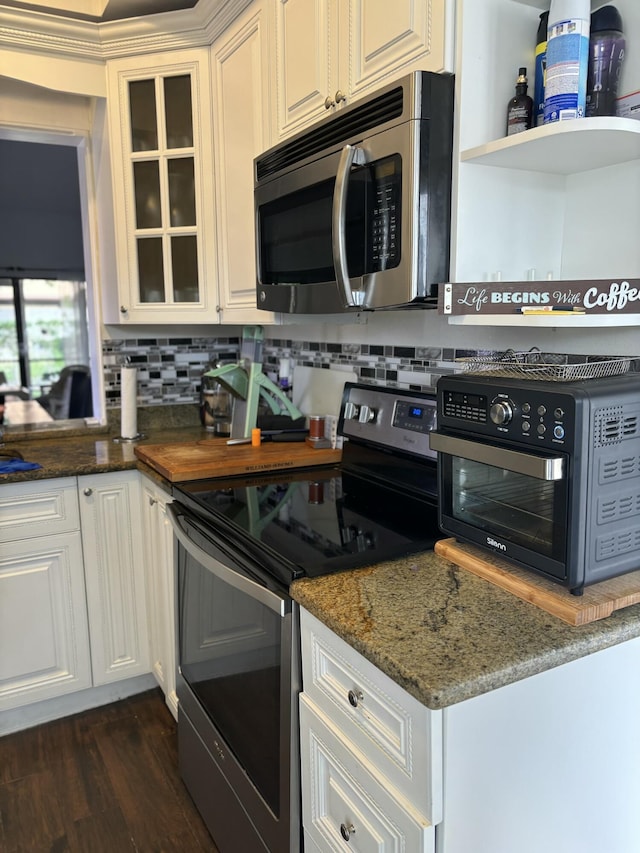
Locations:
{"points": [[351, 411], [501, 412], [367, 414]]}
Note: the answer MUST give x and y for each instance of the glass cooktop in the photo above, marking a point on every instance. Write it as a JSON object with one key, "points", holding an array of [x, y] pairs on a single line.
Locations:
{"points": [[316, 521]]}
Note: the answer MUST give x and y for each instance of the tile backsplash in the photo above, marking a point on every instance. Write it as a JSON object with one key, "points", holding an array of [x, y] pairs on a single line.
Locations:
{"points": [[170, 368]]}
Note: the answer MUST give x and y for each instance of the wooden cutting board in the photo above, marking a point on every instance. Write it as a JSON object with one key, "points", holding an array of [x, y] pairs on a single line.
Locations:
{"points": [[213, 457], [597, 602]]}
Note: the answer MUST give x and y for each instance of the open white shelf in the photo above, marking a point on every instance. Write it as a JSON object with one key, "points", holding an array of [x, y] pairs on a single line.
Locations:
{"points": [[554, 149], [579, 321]]}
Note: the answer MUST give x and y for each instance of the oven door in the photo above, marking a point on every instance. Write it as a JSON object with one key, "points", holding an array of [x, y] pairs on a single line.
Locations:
{"points": [[238, 683], [512, 502]]}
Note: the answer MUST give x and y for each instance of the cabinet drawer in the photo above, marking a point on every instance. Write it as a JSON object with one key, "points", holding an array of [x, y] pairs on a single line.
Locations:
{"points": [[38, 508], [343, 801], [401, 737]]}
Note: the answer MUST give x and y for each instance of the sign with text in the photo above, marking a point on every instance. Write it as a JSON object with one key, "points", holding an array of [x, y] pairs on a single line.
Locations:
{"points": [[522, 297]]}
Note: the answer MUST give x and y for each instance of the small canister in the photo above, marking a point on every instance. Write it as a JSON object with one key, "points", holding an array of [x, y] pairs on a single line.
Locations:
{"points": [[316, 427]]}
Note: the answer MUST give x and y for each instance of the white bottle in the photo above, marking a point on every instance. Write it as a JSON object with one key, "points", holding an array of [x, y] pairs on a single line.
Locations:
{"points": [[567, 60]]}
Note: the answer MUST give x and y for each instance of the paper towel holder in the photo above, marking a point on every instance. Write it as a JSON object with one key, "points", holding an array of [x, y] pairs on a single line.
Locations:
{"points": [[120, 439]]}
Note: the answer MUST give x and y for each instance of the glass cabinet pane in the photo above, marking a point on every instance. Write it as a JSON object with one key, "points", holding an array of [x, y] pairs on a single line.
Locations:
{"points": [[142, 108], [177, 108], [146, 187], [182, 198], [151, 269], [184, 267]]}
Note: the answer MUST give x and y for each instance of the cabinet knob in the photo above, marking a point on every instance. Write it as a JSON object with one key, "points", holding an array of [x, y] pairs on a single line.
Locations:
{"points": [[347, 831], [329, 102], [355, 696], [340, 96], [123, 309], [152, 501], [88, 492]]}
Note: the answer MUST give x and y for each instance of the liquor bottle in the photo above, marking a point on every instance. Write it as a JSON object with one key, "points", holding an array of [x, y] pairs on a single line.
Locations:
{"points": [[520, 107]]}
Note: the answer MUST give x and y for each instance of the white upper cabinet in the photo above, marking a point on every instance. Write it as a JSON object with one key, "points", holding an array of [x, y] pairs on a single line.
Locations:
{"points": [[329, 53], [162, 161], [241, 132], [557, 202]]}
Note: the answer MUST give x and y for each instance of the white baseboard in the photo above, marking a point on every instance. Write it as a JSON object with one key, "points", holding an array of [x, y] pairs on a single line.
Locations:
{"points": [[73, 703]]}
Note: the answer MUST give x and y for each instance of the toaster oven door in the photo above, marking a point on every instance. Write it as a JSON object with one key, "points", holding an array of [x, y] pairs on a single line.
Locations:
{"points": [[512, 502]]}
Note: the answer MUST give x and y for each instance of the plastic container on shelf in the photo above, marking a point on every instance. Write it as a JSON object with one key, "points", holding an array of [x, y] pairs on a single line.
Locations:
{"points": [[540, 70], [606, 54], [567, 60]]}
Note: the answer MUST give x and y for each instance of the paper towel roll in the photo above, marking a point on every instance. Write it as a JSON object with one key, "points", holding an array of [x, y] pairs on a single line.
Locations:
{"points": [[128, 402]]}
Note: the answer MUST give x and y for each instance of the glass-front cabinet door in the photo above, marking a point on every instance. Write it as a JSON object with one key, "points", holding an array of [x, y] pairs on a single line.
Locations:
{"points": [[161, 135]]}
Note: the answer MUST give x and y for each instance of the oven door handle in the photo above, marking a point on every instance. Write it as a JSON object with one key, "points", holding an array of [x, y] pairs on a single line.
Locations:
{"points": [[348, 157], [229, 576], [539, 467]]}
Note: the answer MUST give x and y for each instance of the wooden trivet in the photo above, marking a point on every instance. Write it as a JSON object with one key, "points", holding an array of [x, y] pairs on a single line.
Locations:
{"points": [[597, 602]]}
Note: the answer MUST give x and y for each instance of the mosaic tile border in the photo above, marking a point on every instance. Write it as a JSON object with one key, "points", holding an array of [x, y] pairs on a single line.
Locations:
{"points": [[170, 369]]}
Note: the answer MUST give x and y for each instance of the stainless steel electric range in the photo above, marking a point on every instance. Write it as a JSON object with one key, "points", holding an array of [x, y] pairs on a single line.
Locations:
{"points": [[241, 541]]}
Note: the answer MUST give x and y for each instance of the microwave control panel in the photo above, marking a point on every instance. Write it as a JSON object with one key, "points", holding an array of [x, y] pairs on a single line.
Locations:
{"points": [[384, 214], [532, 414]]}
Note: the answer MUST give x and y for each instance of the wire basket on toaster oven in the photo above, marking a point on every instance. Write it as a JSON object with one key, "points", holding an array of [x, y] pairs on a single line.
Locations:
{"points": [[556, 367]]}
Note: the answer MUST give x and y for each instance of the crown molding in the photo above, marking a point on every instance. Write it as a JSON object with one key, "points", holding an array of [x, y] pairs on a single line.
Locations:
{"points": [[45, 33]]}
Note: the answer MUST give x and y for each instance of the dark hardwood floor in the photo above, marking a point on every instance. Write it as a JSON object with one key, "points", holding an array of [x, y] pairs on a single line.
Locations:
{"points": [[104, 781]]}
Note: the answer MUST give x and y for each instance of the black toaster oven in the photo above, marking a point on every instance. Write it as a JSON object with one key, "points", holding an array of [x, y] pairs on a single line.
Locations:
{"points": [[544, 473]]}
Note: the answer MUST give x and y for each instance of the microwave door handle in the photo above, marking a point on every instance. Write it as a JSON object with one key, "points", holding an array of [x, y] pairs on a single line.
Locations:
{"points": [[539, 467], [348, 157]]}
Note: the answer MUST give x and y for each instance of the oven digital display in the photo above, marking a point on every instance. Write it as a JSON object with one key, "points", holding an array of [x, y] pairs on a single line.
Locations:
{"points": [[464, 406], [414, 417]]}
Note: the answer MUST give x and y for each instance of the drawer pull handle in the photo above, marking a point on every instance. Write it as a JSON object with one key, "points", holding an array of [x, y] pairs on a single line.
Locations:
{"points": [[355, 696], [347, 831]]}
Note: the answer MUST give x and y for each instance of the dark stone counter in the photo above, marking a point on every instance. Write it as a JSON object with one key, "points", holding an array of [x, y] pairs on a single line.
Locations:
{"points": [[446, 635]]}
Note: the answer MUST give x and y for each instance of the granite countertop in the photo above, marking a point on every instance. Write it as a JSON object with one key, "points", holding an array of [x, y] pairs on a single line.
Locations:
{"points": [[92, 450], [442, 633], [446, 635]]}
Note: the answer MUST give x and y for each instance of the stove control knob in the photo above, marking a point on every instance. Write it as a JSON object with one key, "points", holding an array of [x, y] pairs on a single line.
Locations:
{"points": [[501, 412], [351, 411], [367, 414]]}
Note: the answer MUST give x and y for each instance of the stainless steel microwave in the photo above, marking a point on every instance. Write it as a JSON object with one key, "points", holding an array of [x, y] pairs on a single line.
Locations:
{"points": [[354, 213]]}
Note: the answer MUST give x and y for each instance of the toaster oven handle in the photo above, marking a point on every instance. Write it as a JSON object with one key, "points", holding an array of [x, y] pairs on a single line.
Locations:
{"points": [[348, 157], [540, 467]]}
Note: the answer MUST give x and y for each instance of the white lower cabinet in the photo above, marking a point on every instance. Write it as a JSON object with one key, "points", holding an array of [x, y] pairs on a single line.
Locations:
{"points": [[73, 611], [110, 512], [44, 641], [160, 581], [345, 799], [371, 754]]}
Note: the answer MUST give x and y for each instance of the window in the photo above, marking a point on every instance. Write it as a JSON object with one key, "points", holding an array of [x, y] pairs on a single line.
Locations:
{"points": [[43, 328], [49, 315]]}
